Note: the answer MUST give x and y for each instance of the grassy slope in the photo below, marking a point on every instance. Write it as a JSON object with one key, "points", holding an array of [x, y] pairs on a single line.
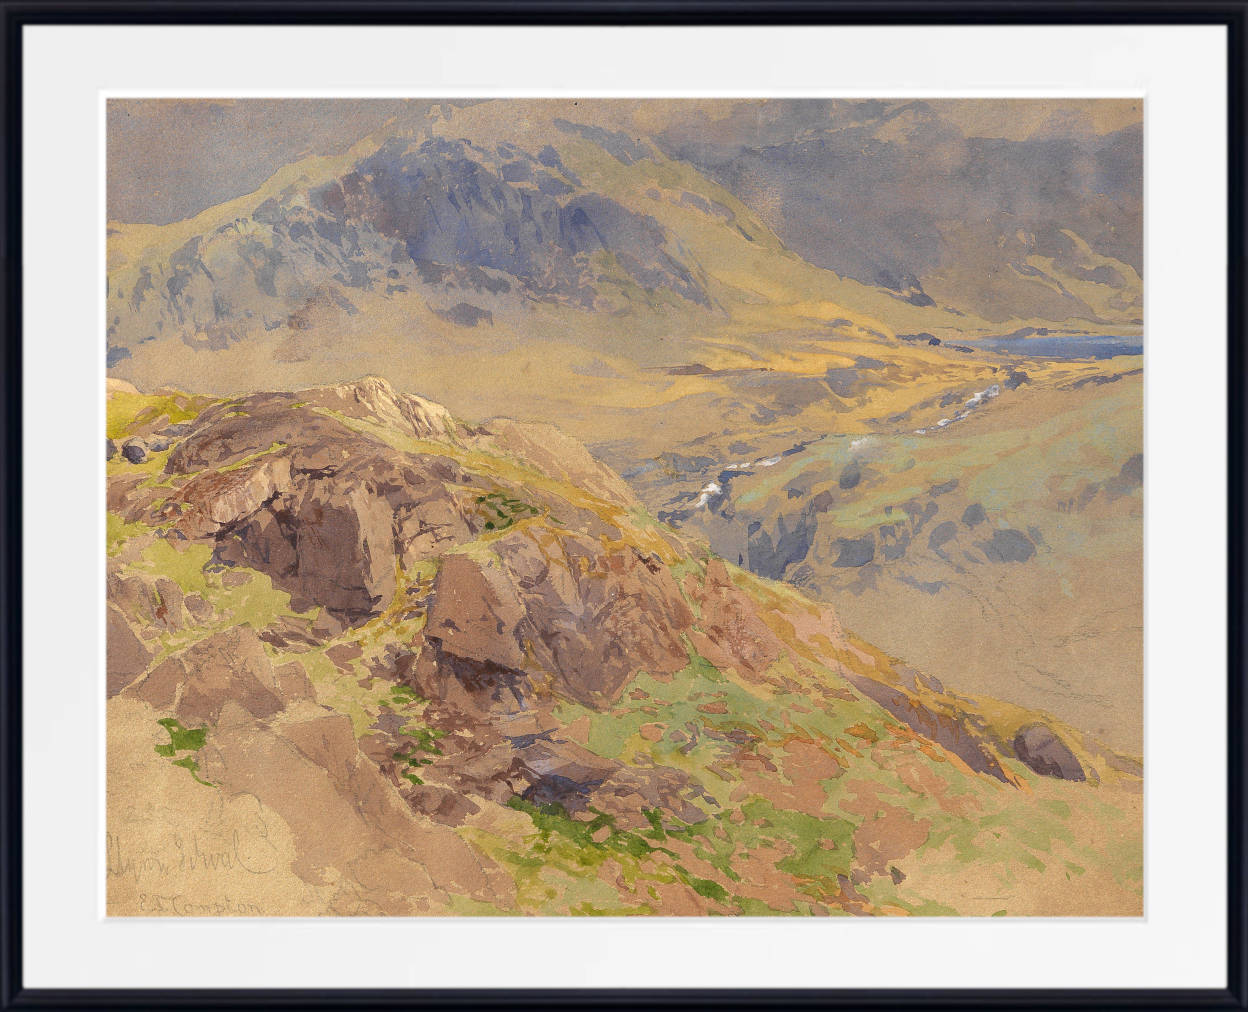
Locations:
{"points": [[812, 778], [1033, 459]]}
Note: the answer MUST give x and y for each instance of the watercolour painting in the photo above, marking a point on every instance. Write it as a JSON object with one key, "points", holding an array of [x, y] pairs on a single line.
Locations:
{"points": [[624, 507]]}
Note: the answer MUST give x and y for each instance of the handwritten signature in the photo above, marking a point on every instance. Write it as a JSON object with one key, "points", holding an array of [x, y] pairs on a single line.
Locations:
{"points": [[251, 852], [181, 906]]}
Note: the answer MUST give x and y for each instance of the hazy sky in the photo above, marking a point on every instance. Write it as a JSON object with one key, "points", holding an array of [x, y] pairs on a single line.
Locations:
{"points": [[168, 159]]}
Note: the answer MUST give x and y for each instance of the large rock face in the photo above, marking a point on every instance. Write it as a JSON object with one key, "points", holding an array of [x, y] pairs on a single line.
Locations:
{"points": [[533, 592], [443, 213], [563, 612], [309, 490], [541, 588], [302, 491]]}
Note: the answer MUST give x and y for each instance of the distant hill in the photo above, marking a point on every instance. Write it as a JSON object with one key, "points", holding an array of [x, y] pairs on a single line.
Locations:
{"points": [[1039, 215], [557, 219]]}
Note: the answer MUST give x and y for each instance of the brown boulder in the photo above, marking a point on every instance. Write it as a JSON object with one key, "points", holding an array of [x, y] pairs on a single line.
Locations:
{"points": [[330, 545], [121, 494], [563, 772], [227, 666], [338, 535], [216, 499], [555, 614], [565, 765], [476, 612], [198, 609], [595, 617], [345, 546]]}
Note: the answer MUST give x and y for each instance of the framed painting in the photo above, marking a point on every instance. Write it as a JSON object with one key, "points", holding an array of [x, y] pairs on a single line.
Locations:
{"points": [[654, 506]]}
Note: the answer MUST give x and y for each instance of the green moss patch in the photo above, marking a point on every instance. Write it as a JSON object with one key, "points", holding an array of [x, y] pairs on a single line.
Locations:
{"points": [[183, 739]]}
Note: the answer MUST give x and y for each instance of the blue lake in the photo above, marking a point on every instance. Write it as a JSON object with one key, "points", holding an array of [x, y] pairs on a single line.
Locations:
{"points": [[1107, 346]]}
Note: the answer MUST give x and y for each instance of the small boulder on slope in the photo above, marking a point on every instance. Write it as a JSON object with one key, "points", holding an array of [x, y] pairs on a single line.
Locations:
{"points": [[1045, 753]]}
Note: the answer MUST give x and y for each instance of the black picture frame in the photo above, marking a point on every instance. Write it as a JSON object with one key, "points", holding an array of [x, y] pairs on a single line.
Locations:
{"points": [[14, 16]]}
